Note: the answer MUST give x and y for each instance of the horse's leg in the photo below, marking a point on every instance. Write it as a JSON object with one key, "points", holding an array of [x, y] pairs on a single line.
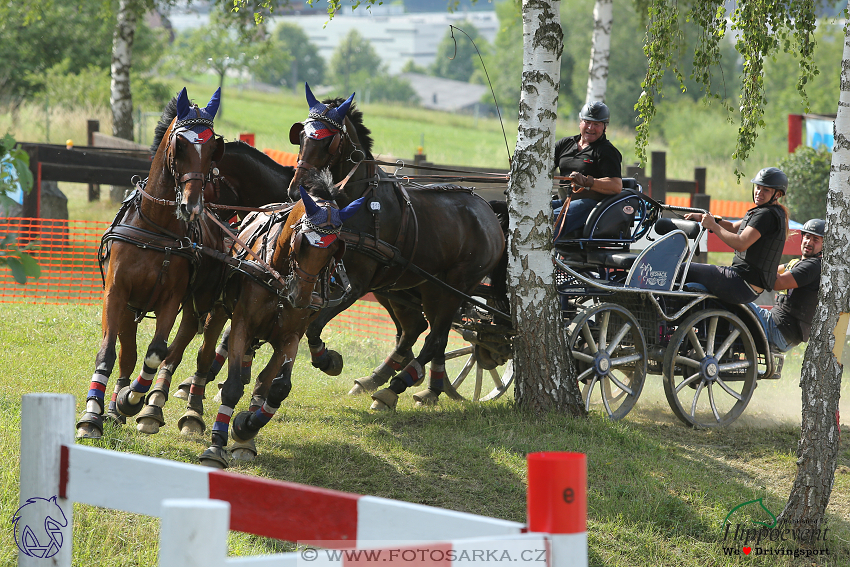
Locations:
{"points": [[440, 311], [409, 324], [216, 456], [150, 419], [330, 361], [192, 422], [127, 357], [247, 424], [113, 321], [131, 399]]}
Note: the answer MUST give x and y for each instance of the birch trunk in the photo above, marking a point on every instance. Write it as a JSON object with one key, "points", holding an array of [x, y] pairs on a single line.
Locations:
{"points": [[121, 98], [545, 378], [820, 379], [597, 79]]}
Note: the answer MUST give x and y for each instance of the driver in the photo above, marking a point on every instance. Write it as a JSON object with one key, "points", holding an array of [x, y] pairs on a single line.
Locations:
{"points": [[790, 321], [593, 164], [757, 239]]}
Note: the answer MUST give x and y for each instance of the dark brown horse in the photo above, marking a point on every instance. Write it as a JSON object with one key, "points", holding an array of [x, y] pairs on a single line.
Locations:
{"points": [[447, 231], [298, 250], [153, 264]]}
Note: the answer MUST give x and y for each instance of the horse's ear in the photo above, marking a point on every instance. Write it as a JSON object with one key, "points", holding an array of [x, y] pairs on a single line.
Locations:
{"points": [[342, 109], [348, 212], [219, 149], [212, 106], [183, 105], [295, 133], [311, 100], [310, 206]]}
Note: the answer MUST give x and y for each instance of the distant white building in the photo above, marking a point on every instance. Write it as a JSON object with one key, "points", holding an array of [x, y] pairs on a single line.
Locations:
{"points": [[437, 93], [396, 37]]}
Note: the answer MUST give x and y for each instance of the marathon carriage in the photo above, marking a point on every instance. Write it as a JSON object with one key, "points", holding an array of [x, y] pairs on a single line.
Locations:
{"points": [[628, 314]]}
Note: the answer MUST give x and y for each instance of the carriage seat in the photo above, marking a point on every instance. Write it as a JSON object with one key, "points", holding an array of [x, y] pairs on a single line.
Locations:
{"points": [[609, 259], [689, 227]]}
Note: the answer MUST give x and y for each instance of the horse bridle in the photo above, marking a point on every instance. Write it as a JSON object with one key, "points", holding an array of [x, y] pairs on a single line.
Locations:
{"points": [[171, 159], [298, 229]]}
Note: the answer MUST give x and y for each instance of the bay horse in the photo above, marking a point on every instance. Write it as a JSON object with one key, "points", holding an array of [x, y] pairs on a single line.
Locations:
{"points": [[299, 249], [243, 177], [447, 231], [153, 264]]}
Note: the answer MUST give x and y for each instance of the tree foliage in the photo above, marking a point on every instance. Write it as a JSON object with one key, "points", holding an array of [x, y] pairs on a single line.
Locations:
{"points": [[764, 28], [14, 174], [457, 58], [291, 60], [808, 182]]}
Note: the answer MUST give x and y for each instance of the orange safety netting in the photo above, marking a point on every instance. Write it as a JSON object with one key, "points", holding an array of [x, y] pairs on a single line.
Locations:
{"points": [[726, 209], [283, 158], [67, 253]]}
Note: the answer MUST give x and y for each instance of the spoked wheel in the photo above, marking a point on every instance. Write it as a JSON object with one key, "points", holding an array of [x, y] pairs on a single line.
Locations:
{"points": [[610, 353], [478, 380], [710, 369]]}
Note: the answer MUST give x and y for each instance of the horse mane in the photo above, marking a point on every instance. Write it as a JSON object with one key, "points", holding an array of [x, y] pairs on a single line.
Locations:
{"points": [[168, 115], [356, 116], [319, 184]]}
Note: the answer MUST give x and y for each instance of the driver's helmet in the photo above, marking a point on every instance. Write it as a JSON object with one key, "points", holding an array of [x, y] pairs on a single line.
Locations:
{"points": [[771, 177], [815, 226], [594, 111]]}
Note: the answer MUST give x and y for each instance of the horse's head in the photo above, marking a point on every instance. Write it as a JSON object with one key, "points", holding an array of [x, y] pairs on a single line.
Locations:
{"points": [[192, 148], [322, 139], [314, 242]]}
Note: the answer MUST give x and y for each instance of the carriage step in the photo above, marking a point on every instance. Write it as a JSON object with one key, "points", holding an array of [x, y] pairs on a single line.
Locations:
{"points": [[778, 363]]}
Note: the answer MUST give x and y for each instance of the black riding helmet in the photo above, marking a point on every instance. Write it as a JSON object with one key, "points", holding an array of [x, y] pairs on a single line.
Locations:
{"points": [[771, 177], [594, 111], [815, 226]]}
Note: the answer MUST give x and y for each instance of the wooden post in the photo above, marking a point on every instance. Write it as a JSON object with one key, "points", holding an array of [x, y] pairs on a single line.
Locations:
{"points": [[94, 189], [795, 132], [193, 533], [701, 201], [47, 422], [699, 178], [658, 185], [637, 172]]}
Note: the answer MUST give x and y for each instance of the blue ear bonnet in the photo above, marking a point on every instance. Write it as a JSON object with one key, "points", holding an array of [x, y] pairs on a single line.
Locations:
{"points": [[196, 123], [333, 116]]}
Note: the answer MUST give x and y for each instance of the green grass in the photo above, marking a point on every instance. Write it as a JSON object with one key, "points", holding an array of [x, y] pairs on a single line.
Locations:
{"points": [[657, 491]]}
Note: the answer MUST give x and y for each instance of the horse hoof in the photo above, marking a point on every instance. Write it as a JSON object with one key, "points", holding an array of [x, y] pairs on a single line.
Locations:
{"points": [[150, 420], [335, 367], [116, 418], [182, 391], [90, 426], [239, 430], [243, 450], [366, 385], [215, 457], [426, 398], [384, 400], [191, 423], [122, 402]]}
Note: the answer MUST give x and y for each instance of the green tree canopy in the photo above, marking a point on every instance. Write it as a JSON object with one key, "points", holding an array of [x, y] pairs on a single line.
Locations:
{"points": [[456, 56], [292, 59]]}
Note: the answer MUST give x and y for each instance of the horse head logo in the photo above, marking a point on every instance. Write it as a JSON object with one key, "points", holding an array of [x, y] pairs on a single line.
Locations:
{"points": [[38, 527]]}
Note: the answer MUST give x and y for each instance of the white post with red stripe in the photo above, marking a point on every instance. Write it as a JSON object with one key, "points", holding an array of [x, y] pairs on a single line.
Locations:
{"points": [[52, 465]]}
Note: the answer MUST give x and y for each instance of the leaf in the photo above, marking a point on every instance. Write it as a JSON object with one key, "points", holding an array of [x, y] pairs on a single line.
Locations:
{"points": [[17, 269], [31, 267]]}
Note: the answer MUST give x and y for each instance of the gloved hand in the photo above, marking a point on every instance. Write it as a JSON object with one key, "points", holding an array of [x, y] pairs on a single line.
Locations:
{"points": [[582, 180]]}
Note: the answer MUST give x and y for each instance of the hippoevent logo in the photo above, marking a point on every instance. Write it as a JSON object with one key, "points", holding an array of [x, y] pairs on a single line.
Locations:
{"points": [[769, 537], [38, 527]]}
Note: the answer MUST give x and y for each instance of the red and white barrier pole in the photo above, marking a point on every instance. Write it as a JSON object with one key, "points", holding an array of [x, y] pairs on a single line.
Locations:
{"points": [[557, 504]]}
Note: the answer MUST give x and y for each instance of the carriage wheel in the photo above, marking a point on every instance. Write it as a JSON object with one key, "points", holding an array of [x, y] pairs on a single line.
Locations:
{"points": [[607, 345], [710, 369], [483, 384]]}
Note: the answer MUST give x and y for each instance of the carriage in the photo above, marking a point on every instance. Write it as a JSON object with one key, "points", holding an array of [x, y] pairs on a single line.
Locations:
{"points": [[629, 313]]}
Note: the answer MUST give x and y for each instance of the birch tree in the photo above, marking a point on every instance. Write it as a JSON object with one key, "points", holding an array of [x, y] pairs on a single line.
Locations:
{"points": [[600, 50], [120, 94], [545, 379]]}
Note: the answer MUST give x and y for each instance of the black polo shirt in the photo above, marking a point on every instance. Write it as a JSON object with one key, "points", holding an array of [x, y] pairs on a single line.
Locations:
{"points": [[599, 159]]}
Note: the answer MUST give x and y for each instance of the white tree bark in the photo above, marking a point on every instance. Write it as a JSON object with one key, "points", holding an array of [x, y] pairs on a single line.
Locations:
{"points": [[545, 378], [121, 98], [820, 379], [597, 79]]}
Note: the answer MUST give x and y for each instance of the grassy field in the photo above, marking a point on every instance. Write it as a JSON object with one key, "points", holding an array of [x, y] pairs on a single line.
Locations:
{"points": [[658, 492]]}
